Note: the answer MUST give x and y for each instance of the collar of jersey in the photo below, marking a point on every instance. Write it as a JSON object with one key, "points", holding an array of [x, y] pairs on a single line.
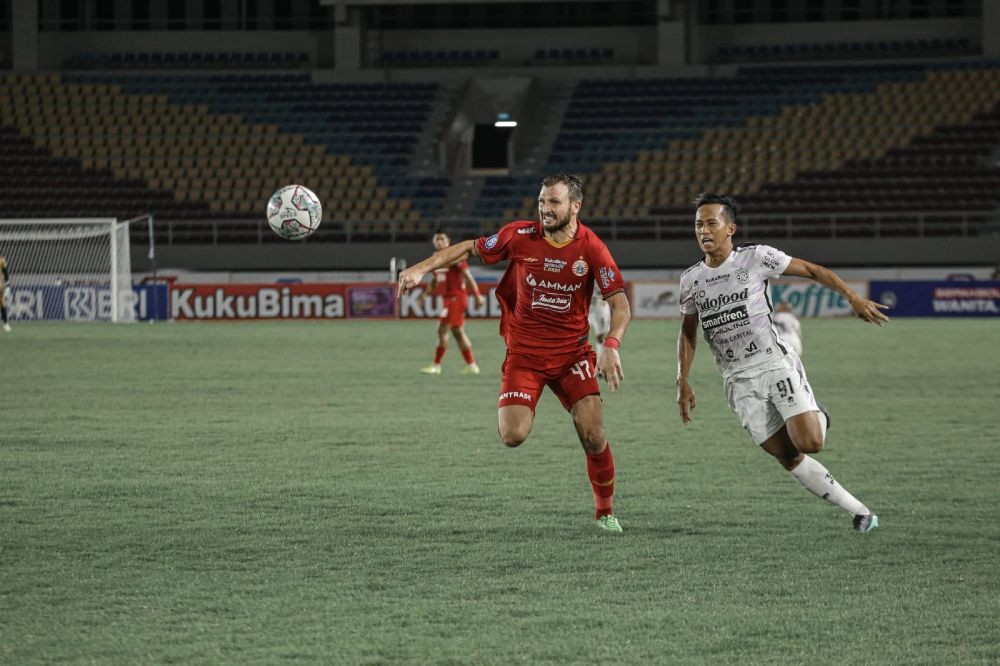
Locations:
{"points": [[715, 268], [579, 228]]}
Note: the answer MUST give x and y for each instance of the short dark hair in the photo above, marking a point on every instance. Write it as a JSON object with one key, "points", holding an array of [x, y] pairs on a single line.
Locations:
{"points": [[572, 182], [729, 205], [442, 231]]}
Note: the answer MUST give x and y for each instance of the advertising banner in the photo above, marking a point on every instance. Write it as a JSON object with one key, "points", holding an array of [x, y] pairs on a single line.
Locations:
{"points": [[656, 300], [82, 302], [809, 299], [660, 300], [416, 305], [234, 302], [373, 301], [939, 299]]}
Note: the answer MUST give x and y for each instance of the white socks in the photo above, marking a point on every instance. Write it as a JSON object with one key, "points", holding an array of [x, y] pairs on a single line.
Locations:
{"points": [[811, 474]]}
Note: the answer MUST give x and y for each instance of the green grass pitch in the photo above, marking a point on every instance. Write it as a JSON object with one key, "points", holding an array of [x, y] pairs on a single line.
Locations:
{"points": [[298, 492]]}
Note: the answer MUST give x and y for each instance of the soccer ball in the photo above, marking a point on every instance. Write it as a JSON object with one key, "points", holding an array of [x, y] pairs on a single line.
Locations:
{"points": [[294, 212]]}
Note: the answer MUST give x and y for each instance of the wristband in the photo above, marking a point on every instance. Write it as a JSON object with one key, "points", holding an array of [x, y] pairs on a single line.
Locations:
{"points": [[612, 343]]}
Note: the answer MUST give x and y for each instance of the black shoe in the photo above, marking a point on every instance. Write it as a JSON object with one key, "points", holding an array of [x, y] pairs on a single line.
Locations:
{"points": [[829, 421], [865, 523]]}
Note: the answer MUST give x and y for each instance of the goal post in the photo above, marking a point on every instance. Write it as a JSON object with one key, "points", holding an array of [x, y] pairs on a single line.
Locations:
{"points": [[69, 269]]}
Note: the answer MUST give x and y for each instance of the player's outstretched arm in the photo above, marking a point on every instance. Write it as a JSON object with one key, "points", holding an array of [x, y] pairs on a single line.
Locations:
{"points": [[865, 309], [609, 364], [687, 342], [445, 258]]}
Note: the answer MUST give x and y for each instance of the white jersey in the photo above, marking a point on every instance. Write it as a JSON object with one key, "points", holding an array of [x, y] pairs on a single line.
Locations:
{"points": [[600, 314], [735, 309]]}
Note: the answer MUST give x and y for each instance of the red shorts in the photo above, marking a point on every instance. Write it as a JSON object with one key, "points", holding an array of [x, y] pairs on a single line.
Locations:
{"points": [[453, 310], [570, 376]]}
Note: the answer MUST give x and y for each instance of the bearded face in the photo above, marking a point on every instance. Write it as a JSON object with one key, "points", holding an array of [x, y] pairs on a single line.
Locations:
{"points": [[555, 210]]}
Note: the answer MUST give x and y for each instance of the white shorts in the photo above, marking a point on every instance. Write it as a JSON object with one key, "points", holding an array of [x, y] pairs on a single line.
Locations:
{"points": [[600, 318], [765, 401]]}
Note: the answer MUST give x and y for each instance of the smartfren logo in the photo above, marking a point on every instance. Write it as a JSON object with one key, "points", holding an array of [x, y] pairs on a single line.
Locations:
{"points": [[725, 317]]}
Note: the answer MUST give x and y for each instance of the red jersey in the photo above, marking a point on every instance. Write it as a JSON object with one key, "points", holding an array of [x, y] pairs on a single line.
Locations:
{"points": [[545, 292], [450, 282]]}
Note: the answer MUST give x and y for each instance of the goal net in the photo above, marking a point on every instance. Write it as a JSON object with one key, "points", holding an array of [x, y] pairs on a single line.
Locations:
{"points": [[68, 269]]}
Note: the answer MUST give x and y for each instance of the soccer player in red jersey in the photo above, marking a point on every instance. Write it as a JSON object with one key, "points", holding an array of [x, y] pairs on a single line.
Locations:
{"points": [[450, 283], [552, 268]]}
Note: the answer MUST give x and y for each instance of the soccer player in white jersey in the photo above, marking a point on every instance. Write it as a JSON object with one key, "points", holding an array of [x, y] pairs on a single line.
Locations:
{"points": [[599, 319], [788, 325], [765, 382]]}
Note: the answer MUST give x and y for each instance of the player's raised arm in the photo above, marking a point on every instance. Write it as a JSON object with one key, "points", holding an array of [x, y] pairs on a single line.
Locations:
{"points": [[609, 365], [445, 258], [687, 343], [863, 308]]}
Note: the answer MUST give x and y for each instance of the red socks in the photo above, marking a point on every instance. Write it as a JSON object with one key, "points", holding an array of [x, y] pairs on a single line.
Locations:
{"points": [[438, 355], [467, 355], [601, 471]]}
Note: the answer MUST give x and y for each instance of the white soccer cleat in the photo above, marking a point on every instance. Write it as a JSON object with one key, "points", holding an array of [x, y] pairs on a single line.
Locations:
{"points": [[470, 369], [6, 328], [431, 370]]}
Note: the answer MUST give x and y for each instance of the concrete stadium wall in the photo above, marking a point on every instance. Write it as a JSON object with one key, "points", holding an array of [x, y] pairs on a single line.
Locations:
{"points": [[952, 251]]}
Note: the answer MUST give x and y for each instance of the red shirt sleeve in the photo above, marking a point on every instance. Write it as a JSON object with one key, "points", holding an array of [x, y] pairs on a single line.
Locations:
{"points": [[606, 274], [492, 249], [462, 265]]}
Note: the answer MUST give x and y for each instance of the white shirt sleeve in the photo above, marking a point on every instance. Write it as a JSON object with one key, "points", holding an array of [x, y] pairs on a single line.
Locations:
{"points": [[771, 262]]}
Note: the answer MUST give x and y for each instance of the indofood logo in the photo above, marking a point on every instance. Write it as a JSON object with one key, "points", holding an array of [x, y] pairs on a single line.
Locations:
{"points": [[725, 299]]}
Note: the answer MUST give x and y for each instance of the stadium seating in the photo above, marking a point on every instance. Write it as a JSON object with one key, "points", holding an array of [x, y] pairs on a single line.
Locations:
{"points": [[921, 48], [223, 143], [438, 58], [787, 140], [187, 60]]}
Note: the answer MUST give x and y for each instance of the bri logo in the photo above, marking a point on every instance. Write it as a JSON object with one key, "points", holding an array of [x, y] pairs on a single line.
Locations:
{"points": [[491, 242]]}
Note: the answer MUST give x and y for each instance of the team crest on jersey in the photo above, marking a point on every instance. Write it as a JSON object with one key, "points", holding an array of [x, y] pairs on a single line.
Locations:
{"points": [[491, 242], [742, 275], [580, 268]]}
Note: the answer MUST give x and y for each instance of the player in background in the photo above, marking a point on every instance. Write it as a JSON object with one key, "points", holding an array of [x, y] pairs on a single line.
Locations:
{"points": [[4, 292], [600, 320], [788, 325], [544, 294], [451, 283], [765, 382]]}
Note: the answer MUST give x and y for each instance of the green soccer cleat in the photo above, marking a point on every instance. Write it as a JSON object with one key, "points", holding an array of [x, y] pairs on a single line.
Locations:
{"points": [[609, 524]]}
